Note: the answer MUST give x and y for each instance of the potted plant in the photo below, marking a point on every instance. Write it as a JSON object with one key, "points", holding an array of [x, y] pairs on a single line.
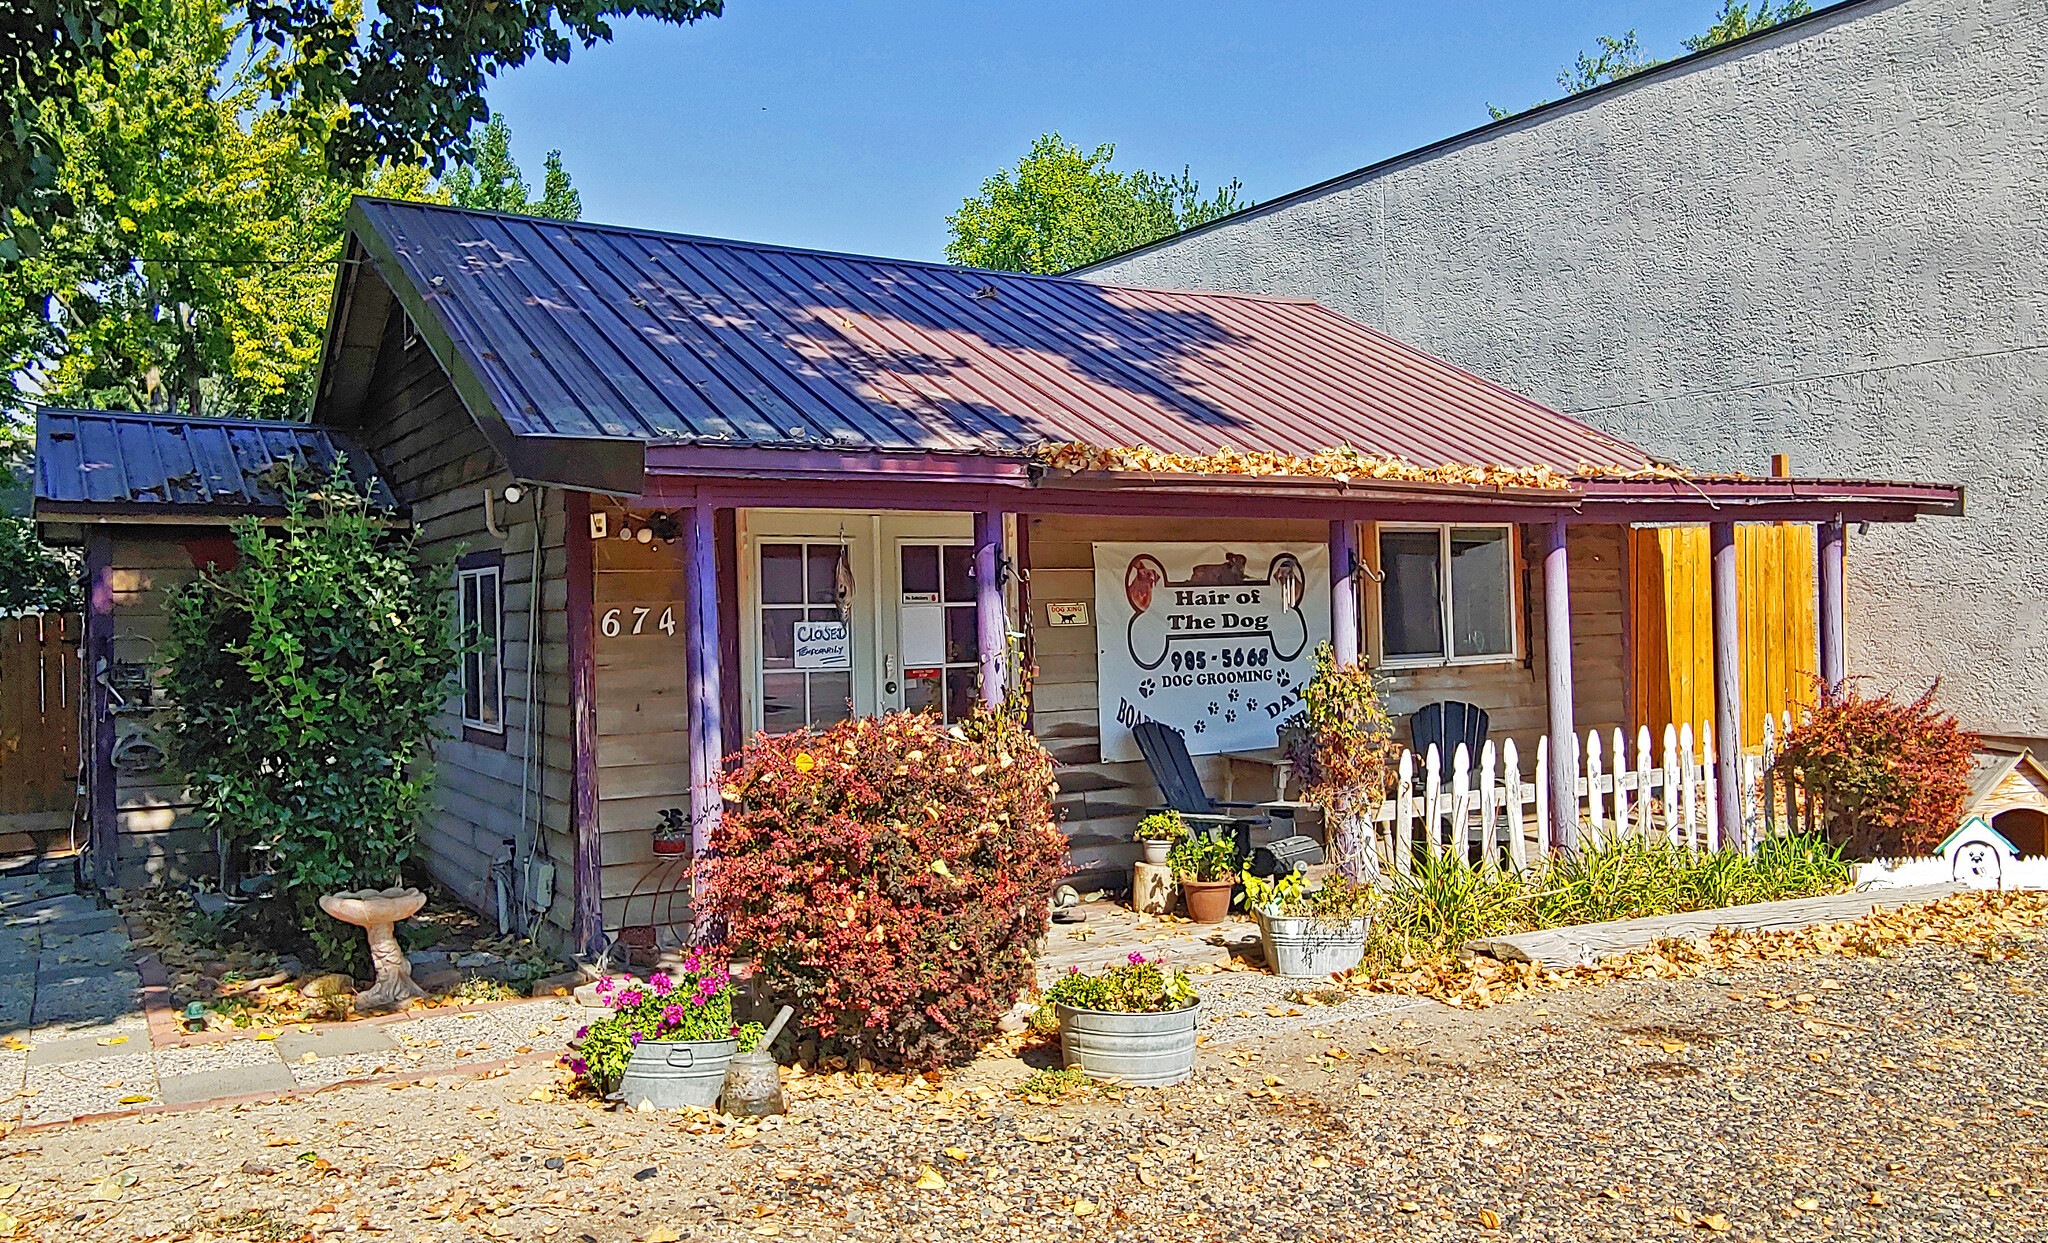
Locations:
{"points": [[1205, 868], [667, 1040], [1309, 933], [1341, 744], [672, 834], [1133, 1021], [1158, 832]]}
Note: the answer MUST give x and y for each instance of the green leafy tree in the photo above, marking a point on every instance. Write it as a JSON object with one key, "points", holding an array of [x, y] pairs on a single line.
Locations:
{"points": [[401, 86], [309, 680], [33, 578], [1062, 208], [492, 180], [1618, 58]]}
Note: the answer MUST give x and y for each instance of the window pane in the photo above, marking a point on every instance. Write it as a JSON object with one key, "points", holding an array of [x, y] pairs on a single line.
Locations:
{"points": [[824, 564], [488, 607], [468, 608], [959, 572], [920, 570], [782, 573], [922, 693], [469, 687], [960, 686], [831, 697], [1411, 610], [782, 702], [1482, 592], [778, 637], [963, 646]]}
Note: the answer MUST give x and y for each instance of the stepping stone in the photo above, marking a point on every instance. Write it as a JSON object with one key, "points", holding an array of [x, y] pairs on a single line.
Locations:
{"points": [[64, 1051], [79, 998], [212, 1084], [334, 1042]]}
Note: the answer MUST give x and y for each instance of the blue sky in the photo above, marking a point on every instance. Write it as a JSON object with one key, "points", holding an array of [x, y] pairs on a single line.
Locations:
{"points": [[858, 126]]}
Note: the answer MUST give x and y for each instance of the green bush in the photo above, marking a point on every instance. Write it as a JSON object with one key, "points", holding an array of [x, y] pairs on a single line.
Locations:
{"points": [[308, 680], [1200, 858], [1138, 986]]}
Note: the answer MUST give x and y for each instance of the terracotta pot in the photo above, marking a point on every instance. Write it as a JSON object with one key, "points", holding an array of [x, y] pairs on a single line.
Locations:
{"points": [[1208, 900], [671, 845]]}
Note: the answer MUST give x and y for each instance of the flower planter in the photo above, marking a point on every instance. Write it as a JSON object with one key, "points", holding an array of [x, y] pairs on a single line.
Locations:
{"points": [[671, 845], [1208, 900], [1301, 947], [1155, 849], [671, 1074], [1144, 1050]]}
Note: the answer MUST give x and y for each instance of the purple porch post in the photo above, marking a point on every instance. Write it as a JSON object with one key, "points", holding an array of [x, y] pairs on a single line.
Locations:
{"points": [[1834, 655], [99, 666], [1727, 679], [1344, 590], [707, 730], [991, 626], [586, 929], [1557, 629]]}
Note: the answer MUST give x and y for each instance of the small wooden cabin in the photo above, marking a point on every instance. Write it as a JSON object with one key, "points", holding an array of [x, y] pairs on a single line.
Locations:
{"points": [[690, 489]]}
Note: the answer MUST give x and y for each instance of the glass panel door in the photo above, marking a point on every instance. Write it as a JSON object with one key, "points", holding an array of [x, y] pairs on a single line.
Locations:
{"points": [[941, 648], [799, 584]]}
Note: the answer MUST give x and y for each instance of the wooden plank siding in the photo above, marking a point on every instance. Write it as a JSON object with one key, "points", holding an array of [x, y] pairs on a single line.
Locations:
{"points": [[1672, 638], [429, 450], [1100, 802]]}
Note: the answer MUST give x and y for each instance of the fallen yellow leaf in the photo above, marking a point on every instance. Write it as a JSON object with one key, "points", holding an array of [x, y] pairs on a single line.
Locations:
{"points": [[1716, 1223], [958, 1154], [133, 1100], [1488, 1219], [661, 1234], [1806, 1204], [929, 1179], [9, 1225], [1084, 1208], [112, 1040]]}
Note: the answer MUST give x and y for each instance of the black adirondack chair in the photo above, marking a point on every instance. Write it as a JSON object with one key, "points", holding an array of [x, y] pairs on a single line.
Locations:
{"points": [[1445, 725], [1166, 754]]}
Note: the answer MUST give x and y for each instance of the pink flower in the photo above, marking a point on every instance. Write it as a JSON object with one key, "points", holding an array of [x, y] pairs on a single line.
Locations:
{"points": [[1137, 959], [630, 998], [662, 983]]}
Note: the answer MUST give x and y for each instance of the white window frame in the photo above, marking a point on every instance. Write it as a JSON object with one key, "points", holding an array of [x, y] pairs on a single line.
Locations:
{"points": [[1514, 597], [933, 541], [467, 626]]}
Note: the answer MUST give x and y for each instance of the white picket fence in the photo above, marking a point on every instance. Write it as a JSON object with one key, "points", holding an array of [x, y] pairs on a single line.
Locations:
{"points": [[1506, 815]]}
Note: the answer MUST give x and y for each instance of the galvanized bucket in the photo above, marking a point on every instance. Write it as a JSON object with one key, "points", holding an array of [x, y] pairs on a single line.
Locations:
{"points": [[670, 1074], [1303, 948], [1144, 1050]]}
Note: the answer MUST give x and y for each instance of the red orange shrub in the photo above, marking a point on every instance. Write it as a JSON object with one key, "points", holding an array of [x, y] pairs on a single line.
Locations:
{"points": [[889, 876], [1891, 775]]}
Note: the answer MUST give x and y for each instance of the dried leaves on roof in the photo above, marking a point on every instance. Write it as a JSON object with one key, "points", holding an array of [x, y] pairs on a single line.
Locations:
{"points": [[1342, 464]]}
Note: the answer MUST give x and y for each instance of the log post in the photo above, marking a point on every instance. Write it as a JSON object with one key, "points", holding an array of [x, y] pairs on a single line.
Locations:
{"points": [[587, 925], [1834, 660], [1344, 590], [1557, 628], [105, 834], [1727, 587], [707, 702], [991, 625]]}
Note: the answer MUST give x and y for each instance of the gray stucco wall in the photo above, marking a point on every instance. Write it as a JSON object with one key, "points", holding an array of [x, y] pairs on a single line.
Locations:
{"points": [[1830, 242]]}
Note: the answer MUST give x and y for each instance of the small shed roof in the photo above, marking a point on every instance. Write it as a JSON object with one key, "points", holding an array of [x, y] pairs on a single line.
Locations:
{"points": [[585, 331], [140, 466]]}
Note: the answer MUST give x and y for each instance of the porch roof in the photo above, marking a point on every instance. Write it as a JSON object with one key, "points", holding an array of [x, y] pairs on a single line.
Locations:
{"points": [[98, 464]]}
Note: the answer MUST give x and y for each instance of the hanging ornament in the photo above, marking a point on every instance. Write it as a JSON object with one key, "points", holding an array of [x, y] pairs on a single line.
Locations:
{"points": [[842, 585]]}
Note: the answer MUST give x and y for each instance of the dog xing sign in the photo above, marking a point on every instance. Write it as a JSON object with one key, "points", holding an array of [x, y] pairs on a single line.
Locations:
{"points": [[1214, 640]]}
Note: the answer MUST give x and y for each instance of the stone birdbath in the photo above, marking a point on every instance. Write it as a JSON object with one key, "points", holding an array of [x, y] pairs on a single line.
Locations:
{"points": [[375, 911]]}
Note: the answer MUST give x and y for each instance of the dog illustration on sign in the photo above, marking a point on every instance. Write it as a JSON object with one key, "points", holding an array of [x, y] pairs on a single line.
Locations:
{"points": [[1284, 631]]}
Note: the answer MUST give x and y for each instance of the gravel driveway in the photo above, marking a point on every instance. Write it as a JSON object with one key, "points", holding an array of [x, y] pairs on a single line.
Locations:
{"points": [[1889, 1098]]}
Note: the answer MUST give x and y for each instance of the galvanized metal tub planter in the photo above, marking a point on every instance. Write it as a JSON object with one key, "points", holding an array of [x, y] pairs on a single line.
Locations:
{"points": [[672, 1074], [1144, 1050], [1305, 947]]}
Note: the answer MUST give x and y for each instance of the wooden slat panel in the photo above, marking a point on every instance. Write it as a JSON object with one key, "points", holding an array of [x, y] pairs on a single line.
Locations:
{"points": [[39, 686]]}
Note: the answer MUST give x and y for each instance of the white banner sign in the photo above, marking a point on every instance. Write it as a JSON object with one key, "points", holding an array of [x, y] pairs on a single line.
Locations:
{"points": [[823, 645], [1212, 639]]}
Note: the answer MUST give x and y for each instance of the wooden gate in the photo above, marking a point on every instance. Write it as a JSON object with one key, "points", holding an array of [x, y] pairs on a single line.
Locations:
{"points": [[39, 730]]}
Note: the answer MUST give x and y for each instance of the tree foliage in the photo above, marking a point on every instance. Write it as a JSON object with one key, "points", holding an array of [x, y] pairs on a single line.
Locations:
{"points": [[309, 681], [403, 85], [1892, 775], [1062, 208], [33, 578], [1616, 58], [492, 180], [195, 272]]}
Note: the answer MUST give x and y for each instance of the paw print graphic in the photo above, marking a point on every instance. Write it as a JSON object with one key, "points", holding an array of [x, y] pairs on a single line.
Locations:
{"points": [[1200, 726], [1251, 705], [1146, 687], [1214, 707], [1233, 696], [1230, 715]]}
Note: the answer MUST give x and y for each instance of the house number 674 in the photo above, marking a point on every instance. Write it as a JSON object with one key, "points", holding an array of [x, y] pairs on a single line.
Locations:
{"points": [[632, 619]]}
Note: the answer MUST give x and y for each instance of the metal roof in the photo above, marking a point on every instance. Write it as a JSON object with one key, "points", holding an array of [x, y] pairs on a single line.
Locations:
{"points": [[573, 330], [93, 461]]}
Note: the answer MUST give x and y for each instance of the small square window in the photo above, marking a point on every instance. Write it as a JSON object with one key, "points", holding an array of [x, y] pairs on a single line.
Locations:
{"points": [[1447, 594]]}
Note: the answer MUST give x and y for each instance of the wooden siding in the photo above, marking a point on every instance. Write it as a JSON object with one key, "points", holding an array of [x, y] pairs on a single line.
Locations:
{"points": [[431, 453], [1672, 628]]}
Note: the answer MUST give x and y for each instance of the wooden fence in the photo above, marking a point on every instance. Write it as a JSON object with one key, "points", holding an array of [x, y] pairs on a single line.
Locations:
{"points": [[1494, 810], [39, 725]]}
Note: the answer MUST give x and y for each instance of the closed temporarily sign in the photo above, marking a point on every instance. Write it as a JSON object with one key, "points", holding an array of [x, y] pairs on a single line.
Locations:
{"points": [[1212, 639]]}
